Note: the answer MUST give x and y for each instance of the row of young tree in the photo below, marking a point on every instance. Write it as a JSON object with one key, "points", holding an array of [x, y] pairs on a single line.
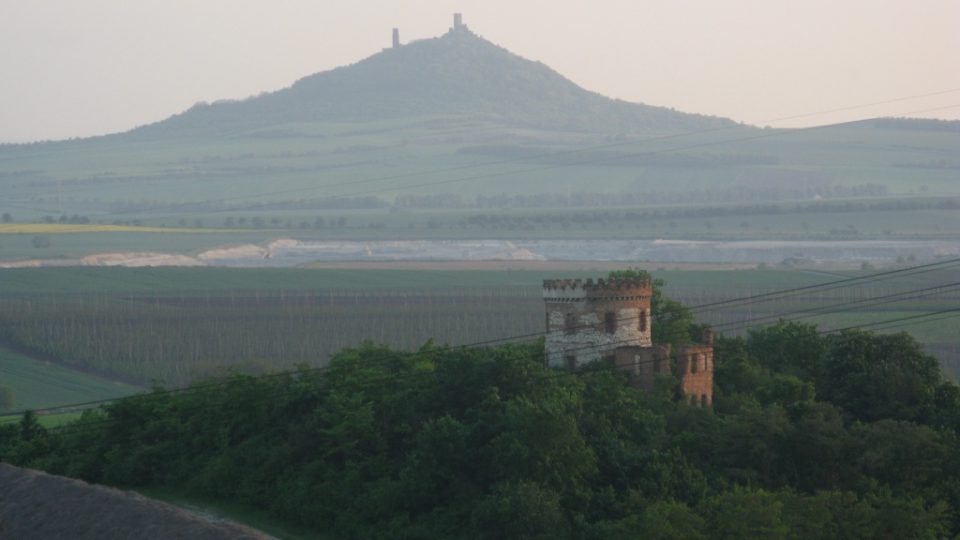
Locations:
{"points": [[845, 436], [173, 339]]}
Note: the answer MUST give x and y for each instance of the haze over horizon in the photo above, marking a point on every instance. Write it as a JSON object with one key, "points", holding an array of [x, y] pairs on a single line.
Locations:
{"points": [[78, 70]]}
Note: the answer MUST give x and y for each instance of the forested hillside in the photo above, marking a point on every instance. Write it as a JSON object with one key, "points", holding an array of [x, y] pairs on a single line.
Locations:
{"points": [[846, 436]]}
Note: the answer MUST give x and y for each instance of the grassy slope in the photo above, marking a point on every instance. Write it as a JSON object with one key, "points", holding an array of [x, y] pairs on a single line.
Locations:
{"points": [[99, 178], [247, 515], [380, 158], [37, 384]]}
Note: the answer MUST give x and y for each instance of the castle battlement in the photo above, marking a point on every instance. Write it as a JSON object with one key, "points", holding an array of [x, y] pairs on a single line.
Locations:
{"points": [[607, 289], [588, 320]]}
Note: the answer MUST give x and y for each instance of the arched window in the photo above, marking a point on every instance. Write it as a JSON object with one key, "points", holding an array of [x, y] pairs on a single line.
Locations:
{"points": [[571, 362], [643, 320]]}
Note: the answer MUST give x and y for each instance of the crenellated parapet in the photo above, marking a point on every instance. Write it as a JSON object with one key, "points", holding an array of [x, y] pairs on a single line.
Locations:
{"points": [[589, 320], [579, 290]]}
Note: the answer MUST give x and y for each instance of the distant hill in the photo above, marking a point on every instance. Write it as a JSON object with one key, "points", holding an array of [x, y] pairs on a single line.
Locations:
{"points": [[456, 123], [459, 73], [914, 124]]}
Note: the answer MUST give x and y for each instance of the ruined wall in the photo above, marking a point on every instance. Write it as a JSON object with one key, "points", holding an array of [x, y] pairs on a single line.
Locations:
{"points": [[644, 364], [695, 369], [587, 320]]}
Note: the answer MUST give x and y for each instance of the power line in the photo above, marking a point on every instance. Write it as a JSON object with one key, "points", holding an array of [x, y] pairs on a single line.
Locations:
{"points": [[832, 285], [910, 270], [89, 426], [786, 292], [825, 310], [861, 106], [953, 311], [619, 157]]}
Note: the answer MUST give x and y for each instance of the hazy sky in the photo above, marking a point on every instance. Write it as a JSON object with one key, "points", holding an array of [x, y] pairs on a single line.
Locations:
{"points": [[77, 68]]}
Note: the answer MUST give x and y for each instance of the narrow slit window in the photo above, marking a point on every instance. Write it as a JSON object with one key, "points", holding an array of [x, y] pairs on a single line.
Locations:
{"points": [[610, 322], [569, 323]]}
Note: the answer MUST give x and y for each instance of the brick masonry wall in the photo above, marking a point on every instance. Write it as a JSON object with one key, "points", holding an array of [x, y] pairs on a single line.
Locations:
{"points": [[589, 340], [695, 368], [587, 321]]}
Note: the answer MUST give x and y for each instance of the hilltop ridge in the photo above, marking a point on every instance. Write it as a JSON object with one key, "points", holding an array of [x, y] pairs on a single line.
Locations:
{"points": [[457, 73]]}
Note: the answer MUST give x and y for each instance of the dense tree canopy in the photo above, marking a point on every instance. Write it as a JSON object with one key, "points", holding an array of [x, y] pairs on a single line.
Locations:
{"points": [[811, 436]]}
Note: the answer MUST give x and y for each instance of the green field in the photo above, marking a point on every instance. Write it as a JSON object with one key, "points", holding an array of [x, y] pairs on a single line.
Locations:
{"points": [[841, 183], [52, 420], [37, 384], [167, 281], [174, 325], [518, 152], [863, 219]]}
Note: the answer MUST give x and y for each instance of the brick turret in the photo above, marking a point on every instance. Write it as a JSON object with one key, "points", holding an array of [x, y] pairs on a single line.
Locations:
{"points": [[588, 320]]}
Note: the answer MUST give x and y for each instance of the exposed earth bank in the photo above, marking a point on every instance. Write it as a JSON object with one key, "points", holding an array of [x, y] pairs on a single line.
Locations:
{"points": [[286, 252]]}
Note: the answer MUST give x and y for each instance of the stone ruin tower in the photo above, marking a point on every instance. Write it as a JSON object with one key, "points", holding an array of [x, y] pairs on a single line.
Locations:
{"points": [[611, 319]]}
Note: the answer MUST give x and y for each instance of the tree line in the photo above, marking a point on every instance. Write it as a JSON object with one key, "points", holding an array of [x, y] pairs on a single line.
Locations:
{"points": [[845, 436]]}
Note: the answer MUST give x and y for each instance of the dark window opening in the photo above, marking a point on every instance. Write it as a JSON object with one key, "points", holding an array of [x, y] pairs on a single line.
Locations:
{"points": [[703, 401], [569, 323], [643, 320], [610, 322], [571, 362]]}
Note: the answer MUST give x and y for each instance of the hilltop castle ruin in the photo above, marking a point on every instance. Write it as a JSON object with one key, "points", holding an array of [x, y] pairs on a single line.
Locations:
{"points": [[458, 26], [611, 319]]}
